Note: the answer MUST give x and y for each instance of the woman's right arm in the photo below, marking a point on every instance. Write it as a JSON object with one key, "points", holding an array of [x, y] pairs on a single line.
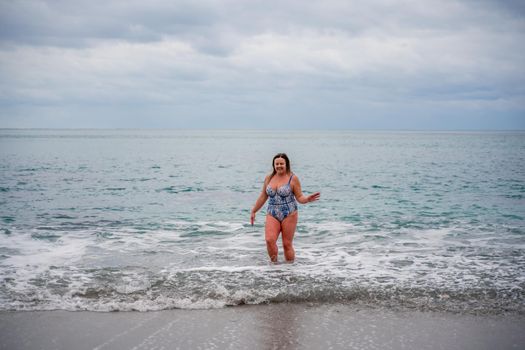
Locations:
{"points": [[260, 201]]}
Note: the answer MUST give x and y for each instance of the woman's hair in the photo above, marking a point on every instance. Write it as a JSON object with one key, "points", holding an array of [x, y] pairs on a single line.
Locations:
{"points": [[286, 160]]}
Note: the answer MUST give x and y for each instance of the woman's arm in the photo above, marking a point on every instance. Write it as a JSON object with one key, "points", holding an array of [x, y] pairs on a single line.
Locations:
{"points": [[260, 201], [298, 192]]}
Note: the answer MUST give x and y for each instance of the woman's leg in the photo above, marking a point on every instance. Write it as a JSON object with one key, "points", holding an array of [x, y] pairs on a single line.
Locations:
{"points": [[288, 227], [271, 233]]}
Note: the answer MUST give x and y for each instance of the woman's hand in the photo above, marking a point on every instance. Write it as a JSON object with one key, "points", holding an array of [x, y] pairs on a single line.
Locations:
{"points": [[313, 197], [252, 217]]}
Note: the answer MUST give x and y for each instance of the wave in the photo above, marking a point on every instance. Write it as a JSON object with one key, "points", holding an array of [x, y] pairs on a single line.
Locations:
{"points": [[124, 266], [207, 288], [180, 189]]}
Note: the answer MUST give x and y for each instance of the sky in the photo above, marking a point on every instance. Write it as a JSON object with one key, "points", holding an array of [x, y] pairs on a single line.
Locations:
{"points": [[376, 64]]}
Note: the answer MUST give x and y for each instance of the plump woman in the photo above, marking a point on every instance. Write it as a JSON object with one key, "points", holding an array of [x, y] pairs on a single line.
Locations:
{"points": [[283, 189]]}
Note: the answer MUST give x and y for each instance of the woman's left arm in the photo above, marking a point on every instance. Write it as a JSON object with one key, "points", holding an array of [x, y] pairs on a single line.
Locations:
{"points": [[298, 192]]}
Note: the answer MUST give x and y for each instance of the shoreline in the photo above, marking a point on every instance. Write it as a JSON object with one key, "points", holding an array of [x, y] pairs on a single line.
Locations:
{"points": [[273, 326]]}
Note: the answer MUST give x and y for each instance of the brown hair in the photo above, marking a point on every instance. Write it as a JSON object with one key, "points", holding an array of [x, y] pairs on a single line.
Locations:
{"points": [[286, 160]]}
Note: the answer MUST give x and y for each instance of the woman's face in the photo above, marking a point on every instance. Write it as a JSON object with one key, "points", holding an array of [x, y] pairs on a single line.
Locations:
{"points": [[280, 165]]}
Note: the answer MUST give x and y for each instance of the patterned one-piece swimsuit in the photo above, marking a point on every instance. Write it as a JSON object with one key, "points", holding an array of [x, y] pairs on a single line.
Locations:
{"points": [[281, 202]]}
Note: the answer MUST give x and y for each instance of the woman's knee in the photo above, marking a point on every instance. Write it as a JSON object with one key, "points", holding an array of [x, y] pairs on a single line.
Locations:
{"points": [[287, 244], [271, 240]]}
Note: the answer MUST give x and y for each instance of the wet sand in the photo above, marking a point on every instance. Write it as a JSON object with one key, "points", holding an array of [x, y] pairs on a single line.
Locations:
{"points": [[276, 326]]}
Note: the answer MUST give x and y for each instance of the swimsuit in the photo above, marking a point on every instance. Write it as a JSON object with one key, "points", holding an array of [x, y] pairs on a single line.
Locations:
{"points": [[282, 201]]}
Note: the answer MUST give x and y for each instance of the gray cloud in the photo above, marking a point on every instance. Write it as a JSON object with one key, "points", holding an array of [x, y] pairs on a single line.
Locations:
{"points": [[78, 23], [186, 63]]}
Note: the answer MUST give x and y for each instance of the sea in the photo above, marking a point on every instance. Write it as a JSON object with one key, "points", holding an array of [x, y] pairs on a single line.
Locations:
{"points": [[144, 220]]}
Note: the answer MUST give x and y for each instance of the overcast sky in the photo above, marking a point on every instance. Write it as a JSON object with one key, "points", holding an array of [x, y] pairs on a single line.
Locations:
{"points": [[379, 64]]}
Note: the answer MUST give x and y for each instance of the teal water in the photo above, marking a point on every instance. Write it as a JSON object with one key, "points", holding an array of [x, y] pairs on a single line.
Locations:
{"points": [[154, 219]]}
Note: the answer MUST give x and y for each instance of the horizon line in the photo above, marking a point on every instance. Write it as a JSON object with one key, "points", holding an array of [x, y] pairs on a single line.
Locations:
{"points": [[264, 129]]}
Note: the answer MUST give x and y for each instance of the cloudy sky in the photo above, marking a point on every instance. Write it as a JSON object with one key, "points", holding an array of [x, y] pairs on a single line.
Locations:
{"points": [[376, 64]]}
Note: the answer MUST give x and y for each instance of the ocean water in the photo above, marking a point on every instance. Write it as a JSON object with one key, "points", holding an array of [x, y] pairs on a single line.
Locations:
{"points": [[108, 220]]}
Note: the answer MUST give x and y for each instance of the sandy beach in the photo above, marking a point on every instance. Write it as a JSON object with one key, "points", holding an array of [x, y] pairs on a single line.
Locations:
{"points": [[276, 326]]}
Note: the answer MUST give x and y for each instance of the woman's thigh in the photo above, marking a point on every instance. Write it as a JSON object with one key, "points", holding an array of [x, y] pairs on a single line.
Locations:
{"points": [[288, 226], [272, 228]]}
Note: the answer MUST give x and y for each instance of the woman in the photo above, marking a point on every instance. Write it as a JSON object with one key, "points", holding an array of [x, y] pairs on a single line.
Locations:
{"points": [[283, 188]]}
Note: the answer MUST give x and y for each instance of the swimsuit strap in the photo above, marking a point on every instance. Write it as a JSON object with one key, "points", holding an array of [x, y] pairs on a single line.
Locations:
{"points": [[290, 179]]}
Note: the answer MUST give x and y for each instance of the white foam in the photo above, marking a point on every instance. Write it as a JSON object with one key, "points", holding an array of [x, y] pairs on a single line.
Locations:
{"points": [[228, 269], [348, 254], [40, 254]]}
